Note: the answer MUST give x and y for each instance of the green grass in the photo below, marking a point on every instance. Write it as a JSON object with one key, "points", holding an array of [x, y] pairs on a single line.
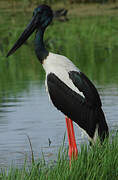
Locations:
{"points": [[87, 41], [99, 162]]}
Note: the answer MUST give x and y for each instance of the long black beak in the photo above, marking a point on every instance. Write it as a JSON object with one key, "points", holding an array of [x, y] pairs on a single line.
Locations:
{"points": [[24, 36]]}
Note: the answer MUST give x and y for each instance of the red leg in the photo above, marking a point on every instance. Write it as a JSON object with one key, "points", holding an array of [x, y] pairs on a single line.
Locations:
{"points": [[73, 152]]}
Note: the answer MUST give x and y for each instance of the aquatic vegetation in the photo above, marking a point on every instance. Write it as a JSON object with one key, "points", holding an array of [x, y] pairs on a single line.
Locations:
{"points": [[89, 41], [93, 163]]}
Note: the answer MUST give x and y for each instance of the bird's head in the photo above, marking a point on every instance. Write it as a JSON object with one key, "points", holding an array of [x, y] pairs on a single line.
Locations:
{"points": [[42, 17]]}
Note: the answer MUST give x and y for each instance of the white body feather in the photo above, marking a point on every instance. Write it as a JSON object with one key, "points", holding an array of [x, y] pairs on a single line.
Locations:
{"points": [[60, 66]]}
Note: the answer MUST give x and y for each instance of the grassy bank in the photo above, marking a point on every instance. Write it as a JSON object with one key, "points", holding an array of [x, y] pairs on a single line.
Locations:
{"points": [[93, 163]]}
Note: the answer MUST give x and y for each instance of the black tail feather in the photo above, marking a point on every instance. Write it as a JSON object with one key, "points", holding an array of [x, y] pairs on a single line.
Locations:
{"points": [[103, 130]]}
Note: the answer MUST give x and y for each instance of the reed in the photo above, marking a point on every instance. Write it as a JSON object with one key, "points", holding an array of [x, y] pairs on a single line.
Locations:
{"points": [[98, 162]]}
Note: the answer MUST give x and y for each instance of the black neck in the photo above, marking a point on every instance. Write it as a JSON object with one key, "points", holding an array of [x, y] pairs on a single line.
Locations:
{"points": [[40, 49]]}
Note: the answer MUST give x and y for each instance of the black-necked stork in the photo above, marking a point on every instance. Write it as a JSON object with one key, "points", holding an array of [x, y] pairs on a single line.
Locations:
{"points": [[70, 91]]}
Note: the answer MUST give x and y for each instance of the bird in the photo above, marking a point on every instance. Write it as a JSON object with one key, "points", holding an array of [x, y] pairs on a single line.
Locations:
{"points": [[69, 89], [61, 13]]}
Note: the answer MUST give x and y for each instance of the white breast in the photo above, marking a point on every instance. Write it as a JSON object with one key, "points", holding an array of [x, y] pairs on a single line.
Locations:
{"points": [[60, 66]]}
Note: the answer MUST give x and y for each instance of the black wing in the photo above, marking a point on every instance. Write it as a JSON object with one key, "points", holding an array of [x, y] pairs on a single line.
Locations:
{"points": [[85, 85], [73, 105]]}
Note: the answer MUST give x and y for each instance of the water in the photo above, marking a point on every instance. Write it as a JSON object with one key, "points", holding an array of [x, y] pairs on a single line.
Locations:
{"points": [[25, 109], [30, 113]]}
